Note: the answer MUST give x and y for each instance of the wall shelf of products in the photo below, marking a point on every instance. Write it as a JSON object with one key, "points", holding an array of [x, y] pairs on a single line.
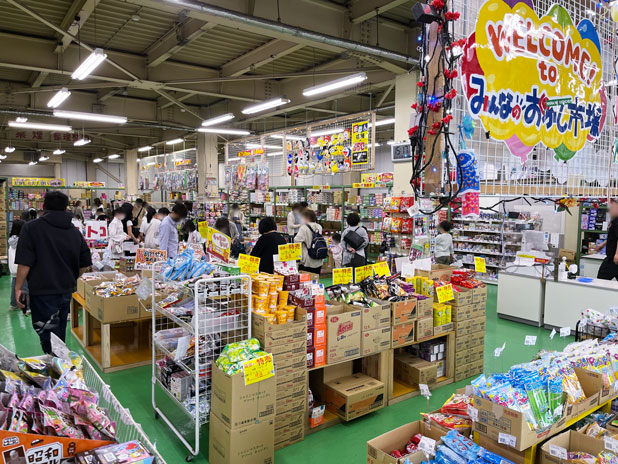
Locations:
{"points": [[592, 226]]}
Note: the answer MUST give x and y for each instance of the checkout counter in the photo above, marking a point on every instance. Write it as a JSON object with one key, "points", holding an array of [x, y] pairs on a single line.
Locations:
{"points": [[589, 264], [521, 294]]}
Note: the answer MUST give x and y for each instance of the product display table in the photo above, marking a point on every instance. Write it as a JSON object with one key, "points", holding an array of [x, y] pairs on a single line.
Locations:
{"points": [[589, 264], [566, 299], [521, 295], [112, 347]]}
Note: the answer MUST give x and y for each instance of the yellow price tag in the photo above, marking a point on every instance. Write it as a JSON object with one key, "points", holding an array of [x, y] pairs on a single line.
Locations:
{"points": [[325, 187], [382, 269], [356, 185], [290, 252], [344, 275], [479, 264], [315, 187], [445, 293], [248, 264], [258, 369], [202, 228], [368, 185], [361, 273]]}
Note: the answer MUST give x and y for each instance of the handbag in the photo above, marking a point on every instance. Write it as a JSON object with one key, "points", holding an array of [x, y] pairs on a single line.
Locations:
{"points": [[353, 239], [356, 261]]}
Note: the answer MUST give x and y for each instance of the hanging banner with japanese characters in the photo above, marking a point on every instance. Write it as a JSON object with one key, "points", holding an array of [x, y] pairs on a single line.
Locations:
{"points": [[360, 142], [534, 80]]}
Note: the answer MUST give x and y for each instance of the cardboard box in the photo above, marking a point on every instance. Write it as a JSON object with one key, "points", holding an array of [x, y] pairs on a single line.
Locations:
{"points": [[354, 396], [424, 328], [82, 284], [289, 360], [404, 311], [113, 309], [462, 357], [414, 371], [570, 441], [375, 341], [379, 448], [288, 404], [479, 294], [461, 372], [316, 315], [376, 317], [424, 307], [462, 297], [252, 444], [403, 334], [469, 326], [318, 335], [464, 313], [295, 376], [475, 368], [438, 272], [477, 353], [316, 356], [443, 329], [342, 333], [297, 345], [516, 457], [271, 335], [237, 404]]}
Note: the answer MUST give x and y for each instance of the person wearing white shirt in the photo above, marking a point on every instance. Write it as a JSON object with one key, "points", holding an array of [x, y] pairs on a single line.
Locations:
{"points": [[116, 234], [149, 230], [294, 221], [445, 251]]}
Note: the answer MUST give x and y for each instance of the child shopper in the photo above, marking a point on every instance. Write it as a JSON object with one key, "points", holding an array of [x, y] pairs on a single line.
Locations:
{"points": [[444, 244], [336, 250]]}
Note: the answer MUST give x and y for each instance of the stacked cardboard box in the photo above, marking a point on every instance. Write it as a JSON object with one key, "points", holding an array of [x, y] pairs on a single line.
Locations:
{"points": [[343, 333], [376, 329], [468, 314], [316, 328], [404, 315], [242, 420], [424, 323], [413, 370], [354, 396], [288, 345]]}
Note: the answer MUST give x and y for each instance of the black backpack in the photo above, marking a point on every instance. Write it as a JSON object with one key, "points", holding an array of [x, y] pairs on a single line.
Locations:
{"points": [[318, 248]]}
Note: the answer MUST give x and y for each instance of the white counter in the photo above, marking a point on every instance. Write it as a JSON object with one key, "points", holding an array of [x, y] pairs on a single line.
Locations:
{"points": [[566, 299], [521, 296], [589, 264]]}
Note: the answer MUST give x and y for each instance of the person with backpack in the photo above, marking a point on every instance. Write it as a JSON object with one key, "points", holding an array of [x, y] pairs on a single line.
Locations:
{"points": [[355, 239], [314, 248]]}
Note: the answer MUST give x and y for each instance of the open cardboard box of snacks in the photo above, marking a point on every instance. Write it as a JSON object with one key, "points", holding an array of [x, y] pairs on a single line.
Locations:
{"points": [[437, 272], [553, 451]]}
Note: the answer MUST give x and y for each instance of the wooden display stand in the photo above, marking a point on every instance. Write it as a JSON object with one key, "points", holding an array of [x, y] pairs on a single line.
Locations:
{"points": [[113, 347]]}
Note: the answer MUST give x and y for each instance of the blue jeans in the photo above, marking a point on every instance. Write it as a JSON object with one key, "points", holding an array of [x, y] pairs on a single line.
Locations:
{"points": [[49, 315], [13, 297]]}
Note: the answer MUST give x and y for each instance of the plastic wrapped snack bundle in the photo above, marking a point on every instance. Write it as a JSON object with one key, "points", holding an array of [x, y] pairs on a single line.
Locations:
{"points": [[554, 397], [538, 399]]}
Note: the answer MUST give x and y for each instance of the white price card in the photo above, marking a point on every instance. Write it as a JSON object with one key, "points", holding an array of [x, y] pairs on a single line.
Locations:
{"points": [[565, 332], [552, 334], [424, 390], [498, 351], [473, 413], [611, 444], [506, 439], [530, 340], [427, 446], [558, 451]]}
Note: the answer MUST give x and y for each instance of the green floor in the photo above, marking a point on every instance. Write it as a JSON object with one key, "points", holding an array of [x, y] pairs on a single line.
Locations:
{"points": [[341, 443]]}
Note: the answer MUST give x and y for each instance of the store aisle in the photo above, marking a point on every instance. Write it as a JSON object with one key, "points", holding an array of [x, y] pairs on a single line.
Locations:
{"points": [[341, 443]]}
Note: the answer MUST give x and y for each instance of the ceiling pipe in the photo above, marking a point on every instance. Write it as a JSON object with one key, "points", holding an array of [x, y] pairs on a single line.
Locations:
{"points": [[274, 26]]}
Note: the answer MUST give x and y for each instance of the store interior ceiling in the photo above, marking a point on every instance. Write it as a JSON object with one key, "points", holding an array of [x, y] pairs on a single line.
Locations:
{"points": [[173, 63]]}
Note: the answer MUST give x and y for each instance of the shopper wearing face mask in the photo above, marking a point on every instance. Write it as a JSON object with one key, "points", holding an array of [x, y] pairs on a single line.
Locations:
{"points": [[116, 234], [168, 230]]}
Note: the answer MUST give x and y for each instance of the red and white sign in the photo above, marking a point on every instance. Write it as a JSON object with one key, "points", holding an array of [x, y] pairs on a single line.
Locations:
{"points": [[96, 230]]}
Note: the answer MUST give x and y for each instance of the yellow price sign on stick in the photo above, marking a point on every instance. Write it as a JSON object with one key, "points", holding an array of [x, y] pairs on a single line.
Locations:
{"points": [[248, 264], [258, 369], [382, 269], [361, 273], [202, 228], [316, 187], [290, 252], [344, 275], [445, 293], [479, 264]]}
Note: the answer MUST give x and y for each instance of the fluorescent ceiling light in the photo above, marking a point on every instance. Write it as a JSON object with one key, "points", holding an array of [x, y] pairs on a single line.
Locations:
{"points": [[97, 160], [375, 144], [81, 142], [390, 142], [384, 122], [90, 116], [218, 130], [32, 163], [288, 137], [3, 157], [146, 148], [9, 149], [334, 130], [278, 153], [60, 96], [266, 105], [152, 163], [174, 141], [43, 158], [346, 81], [59, 151], [40, 126], [257, 145], [218, 119], [21, 119], [89, 64], [233, 159], [114, 156]]}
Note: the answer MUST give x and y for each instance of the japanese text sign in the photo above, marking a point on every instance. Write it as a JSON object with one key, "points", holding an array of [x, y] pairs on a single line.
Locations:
{"points": [[218, 244], [479, 264], [95, 230], [248, 264], [445, 293], [361, 273], [343, 276], [146, 257], [258, 369], [290, 252]]}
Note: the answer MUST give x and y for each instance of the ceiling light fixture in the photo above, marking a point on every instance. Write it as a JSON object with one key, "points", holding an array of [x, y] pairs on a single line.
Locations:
{"points": [[266, 105], [9, 149], [97, 160], [32, 163], [59, 151], [146, 148], [81, 142], [90, 116], [347, 81], [334, 130], [218, 119], [152, 163], [384, 122], [3, 157], [40, 126], [252, 146], [60, 96], [43, 158], [288, 137], [218, 130], [174, 141], [278, 153], [233, 159], [390, 142], [21, 119], [114, 156], [89, 64]]}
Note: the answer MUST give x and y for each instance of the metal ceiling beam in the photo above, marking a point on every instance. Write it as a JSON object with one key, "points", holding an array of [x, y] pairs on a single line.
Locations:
{"points": [[259, 56], [181, 99], [40, 78], [79, 8], [362, 10], [384, 64], [178, 103]]}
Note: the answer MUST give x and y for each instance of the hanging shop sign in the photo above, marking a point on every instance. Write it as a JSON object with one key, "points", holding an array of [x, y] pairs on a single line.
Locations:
{"points": [[380, 179], [146, 257], [218, 244], [254, 152], [556, 97], [183, 162], [360, 142], [88, 184], [36, 182], [95, 230]]}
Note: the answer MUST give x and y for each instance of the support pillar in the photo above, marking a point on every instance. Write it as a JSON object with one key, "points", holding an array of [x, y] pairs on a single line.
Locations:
{"points": [[405, 96], [58, 170], [131, 172], [207, 165]]}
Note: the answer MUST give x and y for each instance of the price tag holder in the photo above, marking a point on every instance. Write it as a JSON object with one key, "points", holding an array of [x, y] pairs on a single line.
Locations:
{"points": [[343, 276], [258, 369], [506, 439], [290, 252], [473, 413], [565, 332], [558, 451], [425, 390], [382, 269], [552, 334], [530, 340], [445, 293], [479, 265], [498, 351], [427, 446], [611, 444], [248, 264]]}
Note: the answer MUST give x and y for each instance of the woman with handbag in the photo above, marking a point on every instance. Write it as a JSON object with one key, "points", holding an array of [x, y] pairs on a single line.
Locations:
{"points": [[306, 235], [355, 239]]}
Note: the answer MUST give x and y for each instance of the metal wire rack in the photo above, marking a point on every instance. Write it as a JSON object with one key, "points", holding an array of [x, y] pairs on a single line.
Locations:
{"points": [[585, 331], [189, 331]]}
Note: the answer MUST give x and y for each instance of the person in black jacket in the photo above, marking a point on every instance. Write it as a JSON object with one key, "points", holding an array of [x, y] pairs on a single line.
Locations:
{"points": [[51, 255], [268, 244]]}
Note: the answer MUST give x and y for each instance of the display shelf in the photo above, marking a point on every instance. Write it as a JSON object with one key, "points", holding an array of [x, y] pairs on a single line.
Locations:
{"points": [[416, 342], [480, 252], [402, 391], [330, 419], [479, 231], [349, 360], [477, 241]]}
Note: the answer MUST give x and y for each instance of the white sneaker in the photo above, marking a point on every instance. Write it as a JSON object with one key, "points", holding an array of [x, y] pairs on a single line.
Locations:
{"points": [[13, 308]]}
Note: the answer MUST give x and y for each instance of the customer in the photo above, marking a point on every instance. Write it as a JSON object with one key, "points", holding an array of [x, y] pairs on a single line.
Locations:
{"points": [[28, 215], [95, 208], [149, 230], [163, 213], [78, 211], [116, 235], [168, 230], [224, 226], [609, 266], [305, 237], [100, 215], [13, 240], [294, 221], [237, 218], [355, 240], [51, 255], [336, 250], [193, 236], [444, 251], [139, 210], [128, 225], [268, 244]]}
